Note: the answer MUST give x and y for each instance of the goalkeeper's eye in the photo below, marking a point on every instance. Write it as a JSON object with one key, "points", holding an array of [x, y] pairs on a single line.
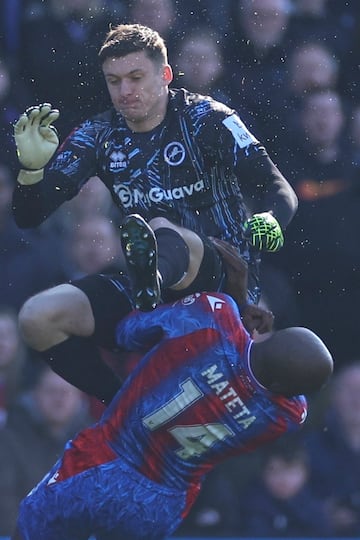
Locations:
{"points": [[112, 81]]}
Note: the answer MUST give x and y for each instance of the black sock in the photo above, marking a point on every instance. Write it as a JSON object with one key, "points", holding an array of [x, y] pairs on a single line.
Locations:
{"points": [[211, 273], [78, 361], [173, 256], [209, 278]]}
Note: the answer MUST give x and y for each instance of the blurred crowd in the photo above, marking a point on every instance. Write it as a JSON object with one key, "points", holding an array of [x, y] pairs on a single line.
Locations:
{"points": [[291, 70]]}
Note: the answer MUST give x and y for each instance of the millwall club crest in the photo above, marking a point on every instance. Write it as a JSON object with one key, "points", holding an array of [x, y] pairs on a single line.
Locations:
{"points": [[118, 161], [174, 153]]}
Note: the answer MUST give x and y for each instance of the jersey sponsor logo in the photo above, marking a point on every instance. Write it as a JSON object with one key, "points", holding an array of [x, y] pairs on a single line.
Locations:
{"points": [[133, 197], [239, 131], [174, 153], [53, 478], [215, 303], [118, 161]]}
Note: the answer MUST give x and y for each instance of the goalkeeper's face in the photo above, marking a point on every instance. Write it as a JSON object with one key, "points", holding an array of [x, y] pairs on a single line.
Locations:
{"points": [[138, 89]]}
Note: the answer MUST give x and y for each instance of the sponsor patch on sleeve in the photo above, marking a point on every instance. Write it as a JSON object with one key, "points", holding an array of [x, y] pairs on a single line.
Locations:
{"points": [[239, 131]]}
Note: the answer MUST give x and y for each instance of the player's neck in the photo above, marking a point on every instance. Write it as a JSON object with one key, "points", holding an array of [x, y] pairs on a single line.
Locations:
{"points": [[256, 365]]}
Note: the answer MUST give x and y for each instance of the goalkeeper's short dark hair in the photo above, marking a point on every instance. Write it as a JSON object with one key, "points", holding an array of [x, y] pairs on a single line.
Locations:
{"points": [[124, 39]]}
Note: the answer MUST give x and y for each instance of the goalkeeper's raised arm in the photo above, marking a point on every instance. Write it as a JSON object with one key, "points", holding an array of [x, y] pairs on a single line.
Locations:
{"points": [[49, 174], [36, 141]]}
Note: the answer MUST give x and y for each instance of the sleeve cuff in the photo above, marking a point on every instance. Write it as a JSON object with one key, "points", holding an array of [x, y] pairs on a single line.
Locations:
{"points": [[27, 178]]}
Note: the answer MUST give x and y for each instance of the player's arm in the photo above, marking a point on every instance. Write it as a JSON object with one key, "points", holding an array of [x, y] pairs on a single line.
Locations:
{"points": [[272, 200], [262, 183], [268, 189], [36, 142], [139, 331], [257, 319], [39, 191], [254, 318], [267, 192]]}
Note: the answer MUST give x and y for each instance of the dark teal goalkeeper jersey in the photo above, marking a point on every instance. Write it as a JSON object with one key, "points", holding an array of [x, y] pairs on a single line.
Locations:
{"points": [[201, 168]]}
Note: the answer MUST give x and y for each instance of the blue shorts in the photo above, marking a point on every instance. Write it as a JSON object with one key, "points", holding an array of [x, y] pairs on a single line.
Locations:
{"points": [[111, 502]]}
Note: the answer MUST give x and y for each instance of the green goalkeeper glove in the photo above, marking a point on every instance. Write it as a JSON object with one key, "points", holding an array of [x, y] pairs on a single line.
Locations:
{"points": [[36, 141], [264, 232]]}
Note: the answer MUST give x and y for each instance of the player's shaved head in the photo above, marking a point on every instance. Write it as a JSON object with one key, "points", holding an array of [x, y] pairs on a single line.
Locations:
{"points": [[292, 361]]}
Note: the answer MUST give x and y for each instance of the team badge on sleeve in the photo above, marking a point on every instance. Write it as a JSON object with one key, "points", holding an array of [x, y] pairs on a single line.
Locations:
{"points": [[239, 131]]}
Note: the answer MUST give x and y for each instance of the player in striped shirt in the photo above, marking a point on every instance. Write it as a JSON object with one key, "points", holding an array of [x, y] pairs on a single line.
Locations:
{"points": [[203, 391]]}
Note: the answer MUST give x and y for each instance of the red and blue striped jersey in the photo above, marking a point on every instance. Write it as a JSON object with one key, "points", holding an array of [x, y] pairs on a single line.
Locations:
{"points": [[191, 402]]}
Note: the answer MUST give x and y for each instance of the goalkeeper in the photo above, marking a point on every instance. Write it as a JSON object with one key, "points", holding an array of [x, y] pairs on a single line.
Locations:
{"points": [[179, 166]]}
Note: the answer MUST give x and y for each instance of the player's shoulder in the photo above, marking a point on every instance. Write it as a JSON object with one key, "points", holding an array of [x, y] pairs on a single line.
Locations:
{"points": [[211, 301], [194, 103], [105, 119]]}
